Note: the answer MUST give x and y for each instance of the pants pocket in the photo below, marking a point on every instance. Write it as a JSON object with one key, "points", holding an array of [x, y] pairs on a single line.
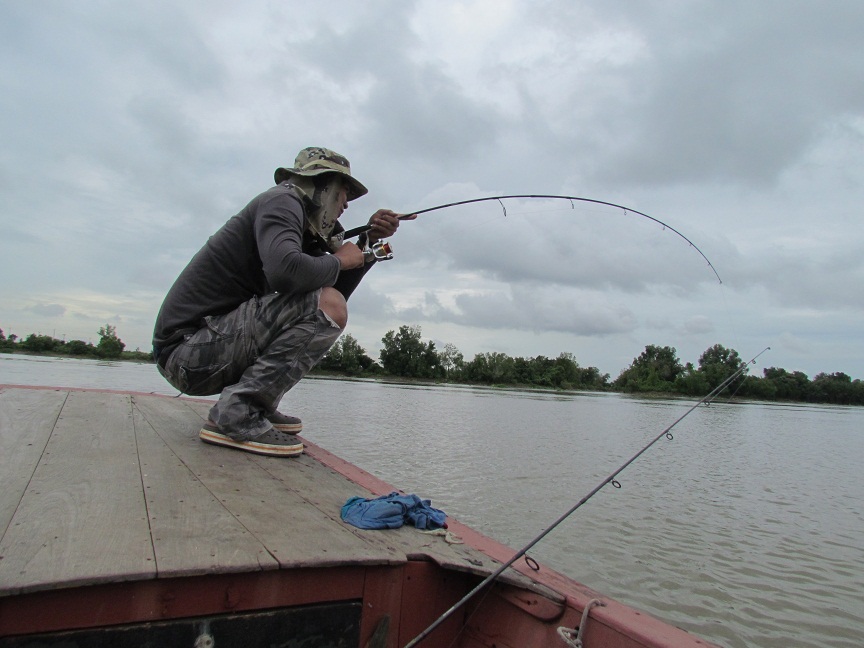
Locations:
{"points": [[204, 364], [203, 381]]}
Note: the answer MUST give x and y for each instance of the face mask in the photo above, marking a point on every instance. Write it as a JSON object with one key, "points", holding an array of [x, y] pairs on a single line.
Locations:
{"points": [[328, 207], [322, 206], [328, 199]]}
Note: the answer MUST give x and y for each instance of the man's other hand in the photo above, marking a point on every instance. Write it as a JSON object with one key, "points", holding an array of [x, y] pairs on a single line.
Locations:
{"points": [[385, 222]]}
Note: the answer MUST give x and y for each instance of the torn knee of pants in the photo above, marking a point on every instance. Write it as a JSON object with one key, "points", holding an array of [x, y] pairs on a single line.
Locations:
{"points": [[331, 320]]}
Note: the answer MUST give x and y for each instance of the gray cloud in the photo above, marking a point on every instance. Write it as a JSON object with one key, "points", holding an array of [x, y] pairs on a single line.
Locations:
{"points": [[48, 310], [738, 91], [132, 132]]}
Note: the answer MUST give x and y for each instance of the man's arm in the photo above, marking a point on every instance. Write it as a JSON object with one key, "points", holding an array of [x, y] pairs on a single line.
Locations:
{"points": [[279, 226]]}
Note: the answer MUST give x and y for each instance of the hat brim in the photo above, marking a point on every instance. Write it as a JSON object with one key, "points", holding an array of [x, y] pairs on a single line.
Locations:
{"points": [[355, 187]]}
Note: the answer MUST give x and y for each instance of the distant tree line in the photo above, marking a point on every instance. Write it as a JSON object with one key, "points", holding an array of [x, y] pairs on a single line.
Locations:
{"points": [[109, 347], [656, 370], [406, 355]]}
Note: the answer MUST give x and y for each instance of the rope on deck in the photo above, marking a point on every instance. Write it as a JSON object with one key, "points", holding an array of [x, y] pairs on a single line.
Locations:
{"points": [[573, 638]]}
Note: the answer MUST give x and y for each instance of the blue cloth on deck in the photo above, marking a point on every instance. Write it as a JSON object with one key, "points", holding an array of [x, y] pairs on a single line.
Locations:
{"points": [[391, 512]]}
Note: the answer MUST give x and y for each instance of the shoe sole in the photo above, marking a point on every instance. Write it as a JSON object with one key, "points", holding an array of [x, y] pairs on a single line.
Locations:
{"points": [[288, 428], [267, 449]]}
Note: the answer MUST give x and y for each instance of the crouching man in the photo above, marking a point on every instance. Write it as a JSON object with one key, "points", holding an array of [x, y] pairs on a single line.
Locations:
{"points": [[265, 298]]}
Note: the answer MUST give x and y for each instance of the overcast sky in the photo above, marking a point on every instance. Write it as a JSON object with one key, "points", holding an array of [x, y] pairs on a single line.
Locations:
{"points": [[132, 131]]}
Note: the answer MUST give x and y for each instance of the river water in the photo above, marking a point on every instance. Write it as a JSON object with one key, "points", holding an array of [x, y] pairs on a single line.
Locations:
{"points": [[747, 528]]}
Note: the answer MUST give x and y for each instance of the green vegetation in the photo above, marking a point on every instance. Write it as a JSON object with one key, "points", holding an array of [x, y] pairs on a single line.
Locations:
{"points": [[657, 370], [109, 347]]}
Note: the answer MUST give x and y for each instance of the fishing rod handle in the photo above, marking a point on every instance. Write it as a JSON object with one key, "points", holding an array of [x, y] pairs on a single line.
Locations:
{"points": [[357, 231]]}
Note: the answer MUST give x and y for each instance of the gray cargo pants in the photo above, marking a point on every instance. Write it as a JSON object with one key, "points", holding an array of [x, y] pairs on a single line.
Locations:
{"points": [[253, 356]]}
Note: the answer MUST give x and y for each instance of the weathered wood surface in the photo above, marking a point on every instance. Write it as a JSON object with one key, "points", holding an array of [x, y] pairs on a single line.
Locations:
{"points": [[102, 487], [294, 532], [27, 418], [327, 490], [81, 518], [192, 532]]}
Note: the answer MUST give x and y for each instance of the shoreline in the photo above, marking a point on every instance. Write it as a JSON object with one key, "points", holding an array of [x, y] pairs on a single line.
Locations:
{"points": [[397, 380]]}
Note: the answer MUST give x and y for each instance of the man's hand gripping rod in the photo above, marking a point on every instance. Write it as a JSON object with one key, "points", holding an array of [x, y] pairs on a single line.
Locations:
{"points": [[380, 250]]}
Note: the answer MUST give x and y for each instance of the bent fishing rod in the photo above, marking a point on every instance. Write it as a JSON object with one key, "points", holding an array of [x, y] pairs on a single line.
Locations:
{"points": [[365, 228], [611, 479]]}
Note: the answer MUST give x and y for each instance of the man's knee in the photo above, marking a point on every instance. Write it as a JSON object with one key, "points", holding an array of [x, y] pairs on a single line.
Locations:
{"points": [[333, 303]]}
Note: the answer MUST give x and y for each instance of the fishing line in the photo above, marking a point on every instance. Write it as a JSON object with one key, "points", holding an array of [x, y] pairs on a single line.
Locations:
{"points": [[611, 479], [627, 210]]}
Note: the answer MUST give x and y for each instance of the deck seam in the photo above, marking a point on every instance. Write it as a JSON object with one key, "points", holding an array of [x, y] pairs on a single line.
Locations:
{"points": [[133, 407], [36, 464], [202, 482]]}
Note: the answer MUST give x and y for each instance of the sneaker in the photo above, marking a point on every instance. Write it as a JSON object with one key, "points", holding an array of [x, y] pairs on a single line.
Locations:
{"points": [[272, 443], [285, 423]]}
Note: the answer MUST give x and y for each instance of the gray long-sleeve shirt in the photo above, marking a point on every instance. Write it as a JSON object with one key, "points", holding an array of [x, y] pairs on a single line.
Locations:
{"points": [[258, 251]]}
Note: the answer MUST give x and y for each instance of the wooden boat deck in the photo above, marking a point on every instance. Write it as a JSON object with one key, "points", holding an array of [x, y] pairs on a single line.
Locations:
{"points": [[105, 487], [113, 512]]}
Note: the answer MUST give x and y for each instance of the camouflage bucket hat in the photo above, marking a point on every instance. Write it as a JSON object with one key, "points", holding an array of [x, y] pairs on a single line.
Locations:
{"points": [[315, 161]]}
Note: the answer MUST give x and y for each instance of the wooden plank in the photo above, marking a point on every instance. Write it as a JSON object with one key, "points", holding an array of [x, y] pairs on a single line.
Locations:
{"points": [[294, 531], [427, 593], [382, 598], [192, 531], [319, 485], [330, 490], [27, 419], [82, 519], [323, 486]]}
